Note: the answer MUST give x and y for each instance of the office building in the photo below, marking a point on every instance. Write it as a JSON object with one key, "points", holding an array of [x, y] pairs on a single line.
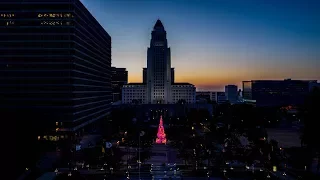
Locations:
{"points": [[276, 92], [183, 91], [55, 61], [119, 77], [214, 96], [221, 97], [313, 85], [231, 93], [158, 77], [203, 95], [246, 90]]}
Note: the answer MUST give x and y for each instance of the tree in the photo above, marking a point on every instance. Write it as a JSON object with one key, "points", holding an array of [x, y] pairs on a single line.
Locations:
{"points": [[135, 101], [185, 155], [182, 101], [114, 157]]}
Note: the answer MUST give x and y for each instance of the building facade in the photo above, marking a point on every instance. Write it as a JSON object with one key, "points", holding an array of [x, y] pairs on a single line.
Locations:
{"points": [[183, 91], [158, 77], [55, 61], [159, 67], [215, 96], [221, 97], [119, 77], [276, 92], [313, 85], [203, 95], [231, 93], [134, 92], [246, 89], [144, 75]]}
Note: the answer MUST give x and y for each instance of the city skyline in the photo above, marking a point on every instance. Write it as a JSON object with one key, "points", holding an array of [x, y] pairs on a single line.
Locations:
{"points": [[216, 43]]}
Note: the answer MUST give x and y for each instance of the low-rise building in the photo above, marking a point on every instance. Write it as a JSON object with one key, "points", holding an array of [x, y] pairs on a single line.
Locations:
{"points": [[137, 93], [183, 91], [119, 77], [134, 93], [277, 92], [215, 96]]}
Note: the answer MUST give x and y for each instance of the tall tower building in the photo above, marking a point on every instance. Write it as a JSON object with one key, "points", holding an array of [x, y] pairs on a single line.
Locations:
{"points": [[159, 86], [158, 67]]}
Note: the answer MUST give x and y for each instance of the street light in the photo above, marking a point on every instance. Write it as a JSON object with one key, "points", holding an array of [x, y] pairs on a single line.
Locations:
{"points": [[105, 168], [268, 176], [139, 163]]}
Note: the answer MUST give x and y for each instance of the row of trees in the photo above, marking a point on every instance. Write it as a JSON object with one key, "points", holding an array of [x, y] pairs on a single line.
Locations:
{"points": [[196, 147]]}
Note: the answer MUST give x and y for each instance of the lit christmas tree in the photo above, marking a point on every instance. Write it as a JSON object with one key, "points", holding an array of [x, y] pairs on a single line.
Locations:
{"points": [[161, 135]]}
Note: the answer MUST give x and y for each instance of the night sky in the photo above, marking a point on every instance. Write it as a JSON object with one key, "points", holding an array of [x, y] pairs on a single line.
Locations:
{"points": [[217, 42]]}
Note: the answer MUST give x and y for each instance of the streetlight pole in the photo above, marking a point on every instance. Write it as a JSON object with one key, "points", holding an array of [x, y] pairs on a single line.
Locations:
{"points": [[127, 154], [139, 155]]}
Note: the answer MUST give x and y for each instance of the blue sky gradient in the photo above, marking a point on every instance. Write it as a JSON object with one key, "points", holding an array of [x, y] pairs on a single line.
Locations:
{"points": [[217, 42]]}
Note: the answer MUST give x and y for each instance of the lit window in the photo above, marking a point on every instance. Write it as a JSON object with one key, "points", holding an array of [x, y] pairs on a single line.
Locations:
{"points": [[40, 15], [57, 123]]}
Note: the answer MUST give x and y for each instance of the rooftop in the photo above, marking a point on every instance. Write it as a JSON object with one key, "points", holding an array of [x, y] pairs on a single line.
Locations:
{"points": [[182, 83], [136, 84]]}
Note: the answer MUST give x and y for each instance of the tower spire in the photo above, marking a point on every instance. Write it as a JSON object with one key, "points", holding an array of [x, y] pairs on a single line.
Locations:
{"points": [[161, 135], [158, 25]]}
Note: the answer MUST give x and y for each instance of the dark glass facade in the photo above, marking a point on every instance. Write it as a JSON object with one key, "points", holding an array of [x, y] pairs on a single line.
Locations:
{"points": [[119, 77], [231, 93], [144, 75], [172, 75], [55, 59], [278, 93], [246, 90]]}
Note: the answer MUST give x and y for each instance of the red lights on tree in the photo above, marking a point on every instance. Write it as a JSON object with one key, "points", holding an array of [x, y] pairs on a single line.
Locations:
{"points": [[161, 135]]}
